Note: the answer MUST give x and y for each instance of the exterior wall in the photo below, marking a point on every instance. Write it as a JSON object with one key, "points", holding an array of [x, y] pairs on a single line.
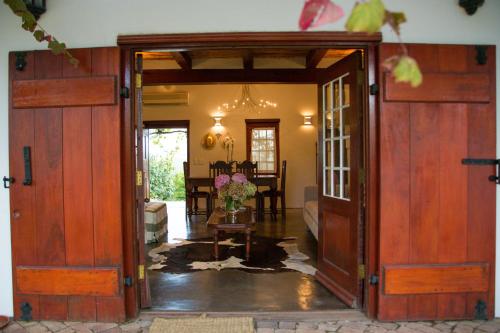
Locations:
{"points": [[297, 142], [98, 22]]}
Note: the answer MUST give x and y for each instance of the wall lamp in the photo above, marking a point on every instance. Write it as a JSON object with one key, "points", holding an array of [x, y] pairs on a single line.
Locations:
{"points": [[308, 120], [218, 127]]}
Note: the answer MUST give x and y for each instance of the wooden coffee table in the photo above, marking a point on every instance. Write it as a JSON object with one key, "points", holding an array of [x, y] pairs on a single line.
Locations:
{"points": [[245, 224]]}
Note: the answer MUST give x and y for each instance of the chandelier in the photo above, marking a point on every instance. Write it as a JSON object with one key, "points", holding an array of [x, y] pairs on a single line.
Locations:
{"points": [[247, 103]]}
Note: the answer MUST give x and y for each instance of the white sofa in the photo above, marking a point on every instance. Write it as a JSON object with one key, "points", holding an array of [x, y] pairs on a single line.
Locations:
{"points": [[310, 211]]}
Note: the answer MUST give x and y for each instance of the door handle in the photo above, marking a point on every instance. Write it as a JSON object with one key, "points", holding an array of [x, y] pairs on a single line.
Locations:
{"points": [[484, 161], [7, 180], [27, 166]]}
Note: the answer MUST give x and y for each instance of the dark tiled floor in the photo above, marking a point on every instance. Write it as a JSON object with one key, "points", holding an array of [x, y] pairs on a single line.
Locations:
{"points": [[235, 290]]}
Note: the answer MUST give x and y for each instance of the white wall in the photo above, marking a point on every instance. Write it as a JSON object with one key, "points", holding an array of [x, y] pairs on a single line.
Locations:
{"points": [[98, 22], [294, 101]]}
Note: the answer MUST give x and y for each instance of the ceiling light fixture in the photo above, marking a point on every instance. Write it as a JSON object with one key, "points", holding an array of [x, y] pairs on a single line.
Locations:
{"points": [[247, 103]]}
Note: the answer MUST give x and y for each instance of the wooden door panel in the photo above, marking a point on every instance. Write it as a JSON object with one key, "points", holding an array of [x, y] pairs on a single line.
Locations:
{"points": [[71, 213], [435, 210]]}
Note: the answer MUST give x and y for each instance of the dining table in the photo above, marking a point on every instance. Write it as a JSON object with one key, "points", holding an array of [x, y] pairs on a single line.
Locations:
{"points": [[193, 183]]}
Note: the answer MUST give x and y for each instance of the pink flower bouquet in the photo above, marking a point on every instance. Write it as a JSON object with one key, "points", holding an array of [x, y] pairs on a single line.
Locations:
{"points": [[234, 190]]}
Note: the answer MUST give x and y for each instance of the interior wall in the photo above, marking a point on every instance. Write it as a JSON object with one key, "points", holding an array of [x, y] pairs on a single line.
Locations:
{"points": [[94, 23], [297, 141]]}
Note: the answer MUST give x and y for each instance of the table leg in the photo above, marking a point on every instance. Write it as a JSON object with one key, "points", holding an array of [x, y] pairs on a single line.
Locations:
{"points": [[249, 239], [216, 244]]}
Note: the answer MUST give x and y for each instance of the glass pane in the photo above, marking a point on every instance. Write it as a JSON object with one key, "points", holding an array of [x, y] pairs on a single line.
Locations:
{"points": [[255, 134], [255, 156], [336, 183], [270, 156], [262, 156], [255, 145], [336, 123], [347, 148], [328, 154], [336, 95], [328, 183], [347, 96], [328, 124], [327, 91], [347, 184], [336, 153], [270, 134], [346, 122]]}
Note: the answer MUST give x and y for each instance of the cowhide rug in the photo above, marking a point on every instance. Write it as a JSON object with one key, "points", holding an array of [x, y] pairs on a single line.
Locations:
{"points": [[268, 255]]}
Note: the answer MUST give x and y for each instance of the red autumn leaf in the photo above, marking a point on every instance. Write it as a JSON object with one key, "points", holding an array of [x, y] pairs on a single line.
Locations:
{"points": [[319, 12]]}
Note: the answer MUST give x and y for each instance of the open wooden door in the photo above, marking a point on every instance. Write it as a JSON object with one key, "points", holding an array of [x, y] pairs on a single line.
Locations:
{"points": [[140, 186], [437, 213], [340, 161], [65, 196]]}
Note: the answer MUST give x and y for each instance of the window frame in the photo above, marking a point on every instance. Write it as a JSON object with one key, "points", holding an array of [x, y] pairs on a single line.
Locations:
{"points": [[252, 124]]}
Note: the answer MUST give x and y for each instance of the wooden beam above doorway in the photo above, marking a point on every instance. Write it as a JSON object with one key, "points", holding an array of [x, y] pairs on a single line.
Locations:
{"points": [[166, 76], [182, 59]]}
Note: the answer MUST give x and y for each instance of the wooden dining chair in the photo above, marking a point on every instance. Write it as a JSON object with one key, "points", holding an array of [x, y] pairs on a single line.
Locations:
{"points": [[215, 169], [273, 196], [192, 196], [251, 170]]}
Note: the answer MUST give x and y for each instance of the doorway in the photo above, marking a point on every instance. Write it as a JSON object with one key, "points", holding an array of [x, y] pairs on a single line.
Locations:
{"points": [[310, 75]]}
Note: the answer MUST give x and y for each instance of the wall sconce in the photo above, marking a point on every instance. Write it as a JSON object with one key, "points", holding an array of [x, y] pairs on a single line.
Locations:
{"points": [[218, 127], [308, 120]]}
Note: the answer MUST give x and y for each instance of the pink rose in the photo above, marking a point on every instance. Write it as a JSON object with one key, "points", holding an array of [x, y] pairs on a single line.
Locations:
{"points": [[221, 180], [239, 178]]}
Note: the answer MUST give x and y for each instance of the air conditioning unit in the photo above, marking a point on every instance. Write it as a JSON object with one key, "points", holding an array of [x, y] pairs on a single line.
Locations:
{"points": [[170, 98]]}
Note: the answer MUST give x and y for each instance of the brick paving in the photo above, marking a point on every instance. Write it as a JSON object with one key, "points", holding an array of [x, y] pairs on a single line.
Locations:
{"points": [[141, 325]]}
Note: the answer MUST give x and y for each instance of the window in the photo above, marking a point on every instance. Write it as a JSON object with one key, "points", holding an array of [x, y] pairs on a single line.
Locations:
{"points": [[336, 138], [263, 144]]}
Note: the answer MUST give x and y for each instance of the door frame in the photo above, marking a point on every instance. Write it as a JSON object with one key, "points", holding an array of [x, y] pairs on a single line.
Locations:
{"points": [[129, 44]]}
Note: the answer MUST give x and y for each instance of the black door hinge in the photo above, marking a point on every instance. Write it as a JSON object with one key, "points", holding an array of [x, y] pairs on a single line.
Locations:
{"points": [[484, 161], [26, 311], [7, 180], [481, 54], [374, 89], [124, 92], [128, 281], [373, 279], [20, 61], [480, 312]]}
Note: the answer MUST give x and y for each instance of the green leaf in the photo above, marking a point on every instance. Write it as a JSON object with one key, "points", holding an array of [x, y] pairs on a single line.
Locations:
{"points": [[17, 6], [407, 70], [366, 16], [29, 21], [56, 47], [395, 19], [72, 60], [39, 35]]}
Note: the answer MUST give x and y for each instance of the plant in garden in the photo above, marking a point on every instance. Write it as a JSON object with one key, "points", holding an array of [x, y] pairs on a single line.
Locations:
{"points": [[366, 16], [29, 23], [162, 178]]}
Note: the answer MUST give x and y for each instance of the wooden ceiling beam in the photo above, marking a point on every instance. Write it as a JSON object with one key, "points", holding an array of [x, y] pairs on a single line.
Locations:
{"points": [[314, 57], [182, 59], [248, 59], [178, 76]]}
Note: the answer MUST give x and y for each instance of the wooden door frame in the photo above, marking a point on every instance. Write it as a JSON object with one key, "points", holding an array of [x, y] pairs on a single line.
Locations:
{"points": [[368, 42]]}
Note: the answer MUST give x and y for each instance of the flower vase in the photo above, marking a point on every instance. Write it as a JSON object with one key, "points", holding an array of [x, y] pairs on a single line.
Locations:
{"points": [[231, 211]]}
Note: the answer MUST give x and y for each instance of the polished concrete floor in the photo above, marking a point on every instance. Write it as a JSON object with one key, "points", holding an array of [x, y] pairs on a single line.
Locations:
{"points": [[235, 290]]}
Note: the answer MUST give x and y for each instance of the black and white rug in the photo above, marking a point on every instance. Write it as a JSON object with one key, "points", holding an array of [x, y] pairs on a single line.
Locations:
{"points": [[268, 255]]}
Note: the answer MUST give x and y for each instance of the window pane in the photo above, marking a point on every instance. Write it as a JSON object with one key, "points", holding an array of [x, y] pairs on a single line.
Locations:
{"points": [[346, 122], [347, 156], [336, 123], [270, 134], [346, 95], [336, 94], [327, 183], [347, 184], [255, 145], [328, 154], [336, 153], [336, 183], [328, 124], [255, 156], [270, 145], [327, 92], [255, 134]]}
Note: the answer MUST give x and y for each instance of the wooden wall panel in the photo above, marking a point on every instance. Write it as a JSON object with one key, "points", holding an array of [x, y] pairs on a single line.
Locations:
{"points": [[451, 221], [64, 92]]}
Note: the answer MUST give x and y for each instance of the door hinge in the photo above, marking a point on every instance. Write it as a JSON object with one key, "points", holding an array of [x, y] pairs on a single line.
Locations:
{"points": [[128, 281], [124, 92], [20, 60], [373, 279], [374, 89], [481, 161], [361, 272], [138, 177], [138, 81], [480, 312], [26, 309], [7, 181], [481, 55], [141, 272]]}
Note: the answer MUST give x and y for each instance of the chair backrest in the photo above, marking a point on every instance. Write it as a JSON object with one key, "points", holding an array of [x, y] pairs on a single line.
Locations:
{"points": [[219, 168], [185, 166], [248, 168], [283, 175]]}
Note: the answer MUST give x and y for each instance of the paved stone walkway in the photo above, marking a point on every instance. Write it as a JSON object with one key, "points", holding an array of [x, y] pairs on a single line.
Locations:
{"points": [[272, 326]]}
